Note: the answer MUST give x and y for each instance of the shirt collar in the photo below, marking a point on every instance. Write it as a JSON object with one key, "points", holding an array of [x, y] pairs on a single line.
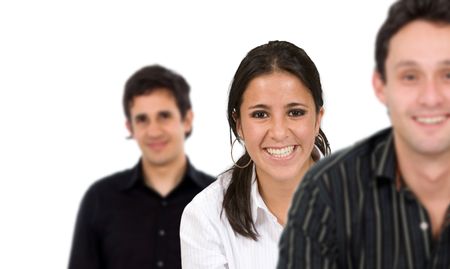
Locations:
{"points": [[385, 159], [134, 178], [137, 178], [257, 203], [199, 178]]}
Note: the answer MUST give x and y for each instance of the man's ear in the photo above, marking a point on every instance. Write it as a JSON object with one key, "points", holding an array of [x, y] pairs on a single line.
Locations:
{"points": [[187, 122], [379, 86], [129, 128]]}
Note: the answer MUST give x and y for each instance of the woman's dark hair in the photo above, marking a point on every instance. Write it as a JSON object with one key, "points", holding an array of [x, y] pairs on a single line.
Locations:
{"points": [[268, 58], [400, 14]]}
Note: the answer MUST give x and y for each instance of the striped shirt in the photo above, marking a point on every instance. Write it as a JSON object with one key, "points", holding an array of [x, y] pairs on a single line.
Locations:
{"points": [[348, 213]]}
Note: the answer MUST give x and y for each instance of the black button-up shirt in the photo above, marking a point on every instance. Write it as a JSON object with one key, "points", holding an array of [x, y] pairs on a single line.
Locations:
{"points": [[124, 224], [349, 213]]}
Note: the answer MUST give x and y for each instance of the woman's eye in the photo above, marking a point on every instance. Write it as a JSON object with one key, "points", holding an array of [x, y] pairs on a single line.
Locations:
{"points": [[297, 113], [259, 114]]}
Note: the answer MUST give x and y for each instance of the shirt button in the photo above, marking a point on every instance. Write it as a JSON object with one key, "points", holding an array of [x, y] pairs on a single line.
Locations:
{"points": [[424, 226], [160, 264], [161, 232], [164, 203]]}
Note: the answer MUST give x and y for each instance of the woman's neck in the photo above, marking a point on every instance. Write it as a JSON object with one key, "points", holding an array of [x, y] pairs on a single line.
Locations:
{"points": [[277, 193]]}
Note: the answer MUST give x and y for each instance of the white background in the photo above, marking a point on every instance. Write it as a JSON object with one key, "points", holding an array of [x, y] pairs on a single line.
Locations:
{"points": [[62, 70]]}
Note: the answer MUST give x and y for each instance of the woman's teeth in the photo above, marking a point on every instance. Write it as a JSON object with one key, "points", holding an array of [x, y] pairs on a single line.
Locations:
{"points": [[280, 152]]}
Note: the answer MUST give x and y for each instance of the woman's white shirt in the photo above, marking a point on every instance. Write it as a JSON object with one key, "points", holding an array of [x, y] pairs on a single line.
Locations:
{"points": [[208, 240]]}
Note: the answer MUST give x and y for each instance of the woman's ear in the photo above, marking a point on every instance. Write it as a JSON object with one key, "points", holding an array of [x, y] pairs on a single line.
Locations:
{"points": [[319, 120], [238, 125], [239, 129]]}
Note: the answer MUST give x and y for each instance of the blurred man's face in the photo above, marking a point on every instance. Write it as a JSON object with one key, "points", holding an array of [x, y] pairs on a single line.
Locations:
{"points": [[158, 127], [417, 87]]}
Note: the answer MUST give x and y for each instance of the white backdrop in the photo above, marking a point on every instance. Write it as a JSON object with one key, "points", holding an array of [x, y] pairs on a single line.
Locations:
{"points": [[62, 70]]}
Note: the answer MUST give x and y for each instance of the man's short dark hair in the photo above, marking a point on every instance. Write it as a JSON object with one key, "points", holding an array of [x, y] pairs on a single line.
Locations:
{"points": [[401, 13]]}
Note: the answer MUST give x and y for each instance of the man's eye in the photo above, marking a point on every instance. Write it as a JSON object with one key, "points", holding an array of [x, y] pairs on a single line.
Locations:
{"points": [[165, 115], [409, 77], [296, 113], [141, 119], [259, 114], [447, 75]]}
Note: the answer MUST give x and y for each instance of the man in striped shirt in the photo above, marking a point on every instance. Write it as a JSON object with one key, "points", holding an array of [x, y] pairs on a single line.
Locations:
{"points": [[385, 202]]}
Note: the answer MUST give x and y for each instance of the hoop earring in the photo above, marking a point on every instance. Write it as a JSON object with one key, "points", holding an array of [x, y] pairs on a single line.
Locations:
{"points": [[235, 163], [321, 141]]}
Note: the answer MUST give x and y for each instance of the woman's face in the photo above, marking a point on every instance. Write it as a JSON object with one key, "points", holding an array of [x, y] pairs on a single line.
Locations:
{"points": [[278, 123]]}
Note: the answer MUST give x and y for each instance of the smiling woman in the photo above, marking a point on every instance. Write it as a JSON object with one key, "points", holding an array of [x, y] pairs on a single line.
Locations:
{"points": [[278, 123], [275, 109]]}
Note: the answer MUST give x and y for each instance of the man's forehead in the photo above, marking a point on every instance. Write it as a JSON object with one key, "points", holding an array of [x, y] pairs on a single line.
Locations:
{"points": [[161, 99], [407, 63], [419, 41]]}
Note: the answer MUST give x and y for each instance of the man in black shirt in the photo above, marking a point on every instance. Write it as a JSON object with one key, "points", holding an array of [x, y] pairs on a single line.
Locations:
{"points": [[385, 202], [131, 219]]}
